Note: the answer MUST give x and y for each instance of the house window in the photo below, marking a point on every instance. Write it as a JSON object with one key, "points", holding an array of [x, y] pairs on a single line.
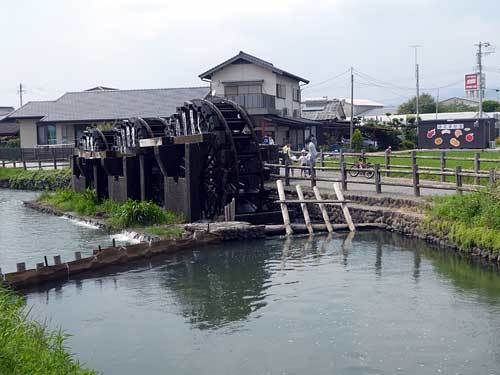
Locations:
{"points": [[46, 134], [280, 90], [296, 94]]}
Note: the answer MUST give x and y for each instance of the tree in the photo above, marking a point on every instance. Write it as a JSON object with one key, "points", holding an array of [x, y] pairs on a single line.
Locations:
{"points": [[491, 106], [426, 104], [357, 140]]}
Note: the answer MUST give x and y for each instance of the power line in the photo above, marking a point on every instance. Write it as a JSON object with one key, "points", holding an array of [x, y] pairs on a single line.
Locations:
{"points": [[326, 80]]}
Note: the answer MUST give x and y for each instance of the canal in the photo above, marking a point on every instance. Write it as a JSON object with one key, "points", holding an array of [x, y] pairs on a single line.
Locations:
{"points": [[375, 303]]}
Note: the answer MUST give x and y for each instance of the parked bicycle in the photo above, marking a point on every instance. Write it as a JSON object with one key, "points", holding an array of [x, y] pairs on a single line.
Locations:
{"points": [[362, 168]]}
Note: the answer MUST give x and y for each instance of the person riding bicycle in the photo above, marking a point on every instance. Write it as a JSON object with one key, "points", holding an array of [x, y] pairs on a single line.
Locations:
{"points": [[361, 163]]}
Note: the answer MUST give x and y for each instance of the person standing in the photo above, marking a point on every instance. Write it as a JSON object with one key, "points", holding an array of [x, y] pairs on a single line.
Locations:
{"points": [[287, 155], [313, 153]]}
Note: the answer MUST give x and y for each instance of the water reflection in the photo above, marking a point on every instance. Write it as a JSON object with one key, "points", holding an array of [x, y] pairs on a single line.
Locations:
{"points": [[214, 288]]}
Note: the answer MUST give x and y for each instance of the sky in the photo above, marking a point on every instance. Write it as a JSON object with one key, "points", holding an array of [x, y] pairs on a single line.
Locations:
{"points": [[56, 46]]}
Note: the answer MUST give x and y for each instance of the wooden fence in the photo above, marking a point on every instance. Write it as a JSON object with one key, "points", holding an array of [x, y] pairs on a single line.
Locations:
{"points": [[414, 174], [35, 157]]}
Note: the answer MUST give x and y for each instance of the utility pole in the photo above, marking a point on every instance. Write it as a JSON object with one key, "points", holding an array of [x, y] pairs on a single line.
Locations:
{"points": [[20, 92], [482, 84], [437, 104], [417, 107], [351, 127]]}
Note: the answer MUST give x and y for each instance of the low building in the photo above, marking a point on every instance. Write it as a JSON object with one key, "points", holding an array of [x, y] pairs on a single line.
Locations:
{"points": [[361, 106], [330, 115], [8, 128], [63, 120], [270, 95], [460, 101]]}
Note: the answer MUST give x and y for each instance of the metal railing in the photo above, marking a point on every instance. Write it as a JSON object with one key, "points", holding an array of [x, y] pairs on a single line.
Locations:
{"points": [[252, 101]]}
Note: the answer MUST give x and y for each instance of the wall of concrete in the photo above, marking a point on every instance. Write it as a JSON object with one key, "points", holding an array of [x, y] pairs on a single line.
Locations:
{"points": [[28, 133]]}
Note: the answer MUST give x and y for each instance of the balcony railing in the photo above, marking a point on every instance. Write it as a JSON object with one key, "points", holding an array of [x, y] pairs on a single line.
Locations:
{"points": [[254, 101]]}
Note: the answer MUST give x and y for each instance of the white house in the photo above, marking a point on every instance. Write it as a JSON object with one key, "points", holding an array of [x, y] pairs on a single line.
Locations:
{"points": [[270, 95]]}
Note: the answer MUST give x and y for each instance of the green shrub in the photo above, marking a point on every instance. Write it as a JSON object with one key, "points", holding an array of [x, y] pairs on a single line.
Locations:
{"points": [[38, 179], [26, 347], [357, 140], [119, 215], [407, 145]]}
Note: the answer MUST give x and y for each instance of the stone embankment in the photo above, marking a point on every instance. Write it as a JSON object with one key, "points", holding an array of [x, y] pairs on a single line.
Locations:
{"points": [[402, 215]]}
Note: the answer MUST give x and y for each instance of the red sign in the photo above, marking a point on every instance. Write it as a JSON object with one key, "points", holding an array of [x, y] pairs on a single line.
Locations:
{"points": [[471, 81]]}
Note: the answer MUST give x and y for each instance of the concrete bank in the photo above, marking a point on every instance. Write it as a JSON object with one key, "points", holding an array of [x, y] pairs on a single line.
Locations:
{"points": [[402, 215]]}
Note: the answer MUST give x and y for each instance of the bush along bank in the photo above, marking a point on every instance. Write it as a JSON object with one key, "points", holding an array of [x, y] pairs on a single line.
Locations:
{"points": [[27, 347], [47, 179], [135, 215], [469, 221]]}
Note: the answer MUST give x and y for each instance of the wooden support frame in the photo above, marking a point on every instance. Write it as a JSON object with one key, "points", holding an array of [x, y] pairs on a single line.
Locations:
{"points": [[305, 211], [324, 212]]}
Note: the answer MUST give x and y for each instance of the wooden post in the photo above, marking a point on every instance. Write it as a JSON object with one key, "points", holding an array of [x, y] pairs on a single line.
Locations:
{"points": [[492, 176], [387, 161], [54, 158], [458, 178], [341, 157], [442, 165], [477, 167], [22, 159], [416, 180], [14, 164], [343, 176], [305, 211], [3, 163], [413, 155], [284, 208], [321, 159], [378, 186], [232, 207], [322, 207], [363, 157], [313, 176], [345, 209], [46, 260], [287, 175]]}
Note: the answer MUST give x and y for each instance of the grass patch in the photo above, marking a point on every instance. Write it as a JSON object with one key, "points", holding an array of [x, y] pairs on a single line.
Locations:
{"points": [[36, 179], [468, 220], [118, 215], [164, 232], [27, 347]]}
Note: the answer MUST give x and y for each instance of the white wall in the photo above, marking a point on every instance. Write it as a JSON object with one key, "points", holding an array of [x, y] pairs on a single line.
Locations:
{"points": [[27, 132], [244, 72], [252, 72]]}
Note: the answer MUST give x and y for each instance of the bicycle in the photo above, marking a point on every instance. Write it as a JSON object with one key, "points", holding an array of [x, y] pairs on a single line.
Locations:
{"points": [[363, 169]]}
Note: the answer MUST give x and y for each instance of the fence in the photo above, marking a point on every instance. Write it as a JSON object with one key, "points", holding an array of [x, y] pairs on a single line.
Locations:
{"points": [[35, 157], [414, 172]]}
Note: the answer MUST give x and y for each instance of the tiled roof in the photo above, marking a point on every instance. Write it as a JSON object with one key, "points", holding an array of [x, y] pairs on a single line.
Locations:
{"points": [[254, 60], [32, 109], [111, 104], [322, 109]]}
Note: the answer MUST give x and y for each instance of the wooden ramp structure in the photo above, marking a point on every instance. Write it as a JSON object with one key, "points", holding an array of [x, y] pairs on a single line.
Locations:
{"points": [[341, 201]]}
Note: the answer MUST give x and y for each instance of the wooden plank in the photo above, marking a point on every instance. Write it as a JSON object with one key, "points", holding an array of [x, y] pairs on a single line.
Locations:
{"points": [[322, 207], [284, 208], [345, 209], [305, 211], [324, 201]]}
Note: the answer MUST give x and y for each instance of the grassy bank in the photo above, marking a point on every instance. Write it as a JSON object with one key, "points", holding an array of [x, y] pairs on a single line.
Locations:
{"points": [[27, 347], [128, 215], [468, 220], [34, 179]]}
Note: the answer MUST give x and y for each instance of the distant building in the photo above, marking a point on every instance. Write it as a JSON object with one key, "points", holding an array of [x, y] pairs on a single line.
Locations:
{"points": [[8, 128], [460, 101], [361, 106], [270, 95], [63, 120]]}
